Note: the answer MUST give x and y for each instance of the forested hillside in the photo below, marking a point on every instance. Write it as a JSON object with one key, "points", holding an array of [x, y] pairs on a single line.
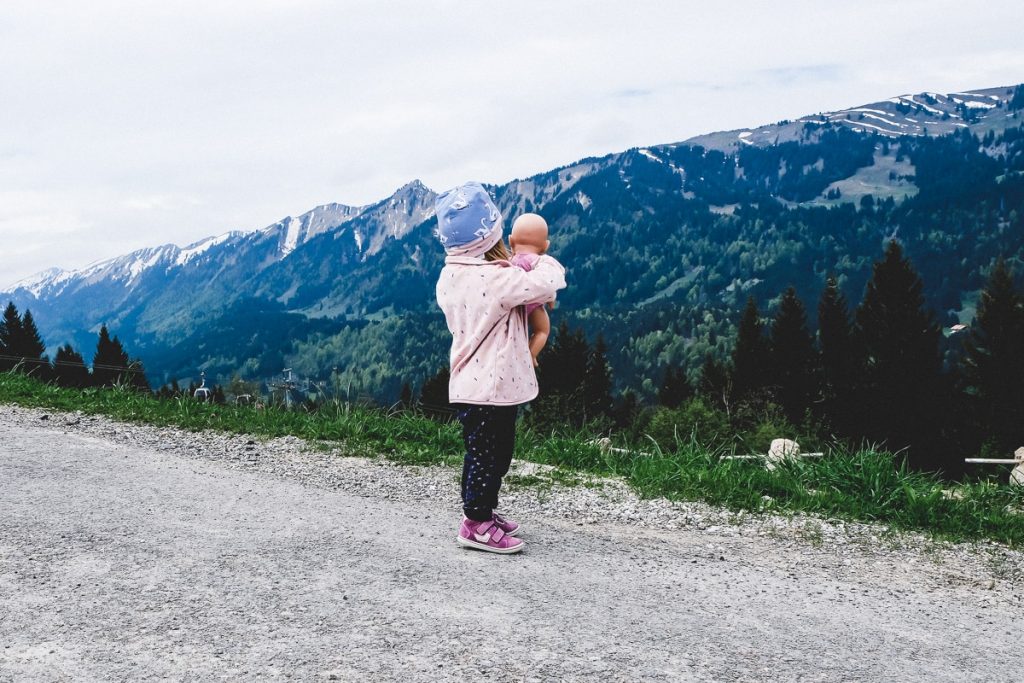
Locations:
{"points": [[663, 246], [663, 272]]}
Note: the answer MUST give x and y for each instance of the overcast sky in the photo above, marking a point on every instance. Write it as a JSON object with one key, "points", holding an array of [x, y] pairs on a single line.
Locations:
{"points": [[132, 124]]}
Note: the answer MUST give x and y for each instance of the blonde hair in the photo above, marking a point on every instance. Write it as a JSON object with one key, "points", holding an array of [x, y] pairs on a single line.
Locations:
{"points": [[499, 252]]}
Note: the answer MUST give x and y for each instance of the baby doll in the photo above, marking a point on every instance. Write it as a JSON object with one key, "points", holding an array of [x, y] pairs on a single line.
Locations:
{"points": [[529, 240]]}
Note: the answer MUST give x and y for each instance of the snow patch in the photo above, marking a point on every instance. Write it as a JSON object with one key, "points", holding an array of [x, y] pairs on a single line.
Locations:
{"points": [[922, 105], [36, 283], [873, 111], [883, 120], [193, 250], [583, 200], [650, 155], [856, 126], [139, 266], [974, 104], [291, 237]]}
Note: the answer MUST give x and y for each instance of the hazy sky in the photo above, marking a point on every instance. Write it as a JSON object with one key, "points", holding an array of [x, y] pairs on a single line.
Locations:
{"points": [[131, 124]]}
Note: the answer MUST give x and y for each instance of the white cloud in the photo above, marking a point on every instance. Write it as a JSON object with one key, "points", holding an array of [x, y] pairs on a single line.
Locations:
{"points": [[134, 124]]}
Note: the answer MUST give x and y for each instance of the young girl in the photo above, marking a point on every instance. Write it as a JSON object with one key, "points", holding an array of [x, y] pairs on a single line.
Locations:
{"points": [[483, 297]]}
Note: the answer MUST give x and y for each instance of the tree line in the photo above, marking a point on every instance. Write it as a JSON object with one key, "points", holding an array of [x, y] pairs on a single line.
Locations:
{"points": [[880, 373], [22, 349], [883, 373]]}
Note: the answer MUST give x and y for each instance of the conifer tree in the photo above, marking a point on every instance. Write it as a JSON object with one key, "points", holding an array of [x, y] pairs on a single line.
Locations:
{"points": [[597, 383], [750, 374], [793, 362], [627, 411], [10, 337], [137, 377], [675, 388], [714, 383], [562, 375], [840, 360], [993, 364], [434, 396], [69, 368], [905, 401], [405, 398], [110, 364], [32, 348]]}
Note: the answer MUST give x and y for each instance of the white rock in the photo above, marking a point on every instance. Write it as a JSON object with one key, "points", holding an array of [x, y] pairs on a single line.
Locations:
{"points": [[781, 449]]}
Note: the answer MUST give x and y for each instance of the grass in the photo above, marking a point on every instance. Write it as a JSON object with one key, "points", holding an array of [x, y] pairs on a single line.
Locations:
{"points": [[865, 486]]}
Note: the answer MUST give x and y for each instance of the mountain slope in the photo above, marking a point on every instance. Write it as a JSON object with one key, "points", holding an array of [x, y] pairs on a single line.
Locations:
{"points": [[662, 243]]}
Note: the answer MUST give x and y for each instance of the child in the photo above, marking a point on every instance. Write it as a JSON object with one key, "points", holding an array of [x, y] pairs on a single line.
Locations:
{"points": [[529, 241], [482, 295]]}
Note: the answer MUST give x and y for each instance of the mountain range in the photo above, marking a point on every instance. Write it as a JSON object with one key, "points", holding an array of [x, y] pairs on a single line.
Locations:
{"points": [[662, 244]]}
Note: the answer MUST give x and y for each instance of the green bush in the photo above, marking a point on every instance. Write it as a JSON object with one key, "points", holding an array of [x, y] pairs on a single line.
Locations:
{"points": [[692, 422]]}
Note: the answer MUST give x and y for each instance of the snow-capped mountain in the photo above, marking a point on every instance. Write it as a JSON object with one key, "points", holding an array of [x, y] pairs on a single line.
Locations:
{"points": [[161, 290], [362, 264], [927, 113]]}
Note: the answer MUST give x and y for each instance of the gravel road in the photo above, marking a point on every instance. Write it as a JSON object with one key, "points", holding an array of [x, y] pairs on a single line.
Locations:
{"points": [[130, 552]]}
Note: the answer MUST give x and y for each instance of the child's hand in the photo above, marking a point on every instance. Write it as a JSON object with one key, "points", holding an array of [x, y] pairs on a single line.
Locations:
{"points": [[535, 363], [551, 305]]}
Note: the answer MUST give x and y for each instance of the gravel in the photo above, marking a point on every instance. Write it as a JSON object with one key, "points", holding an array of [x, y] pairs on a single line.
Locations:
{"points": [[129, 551]]}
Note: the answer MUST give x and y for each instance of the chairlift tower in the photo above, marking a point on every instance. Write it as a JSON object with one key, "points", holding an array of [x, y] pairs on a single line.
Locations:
{"points": [[288, 386]]}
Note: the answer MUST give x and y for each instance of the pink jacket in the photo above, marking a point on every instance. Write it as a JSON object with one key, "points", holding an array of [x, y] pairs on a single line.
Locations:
{"points": [[482, 303]]}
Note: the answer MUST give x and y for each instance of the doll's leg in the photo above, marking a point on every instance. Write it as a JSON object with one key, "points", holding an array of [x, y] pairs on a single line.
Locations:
{"points": [[541, 326]]}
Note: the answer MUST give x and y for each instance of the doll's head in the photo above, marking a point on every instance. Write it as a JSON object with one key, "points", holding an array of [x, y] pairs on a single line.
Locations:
{"points": [[529, 235]]}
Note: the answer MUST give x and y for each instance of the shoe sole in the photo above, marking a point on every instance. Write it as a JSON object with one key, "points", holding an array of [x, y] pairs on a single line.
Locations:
{"points": [[466, 543]]}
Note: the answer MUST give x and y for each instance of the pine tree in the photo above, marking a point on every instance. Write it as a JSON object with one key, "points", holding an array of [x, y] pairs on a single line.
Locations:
{"points": [[137, 378], [110, 363], [405, 399], [750, 375], [626, 411], [562, 375], [69, 368], [675, 388], [32, 348], [994, 362], [434, 396], [715, 384], [793, 362], [597, 383], [905, 400], [840, 361], [10, 337]]}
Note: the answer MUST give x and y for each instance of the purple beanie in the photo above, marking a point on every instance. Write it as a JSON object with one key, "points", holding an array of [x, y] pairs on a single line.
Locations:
{"points": [[468, 222]]}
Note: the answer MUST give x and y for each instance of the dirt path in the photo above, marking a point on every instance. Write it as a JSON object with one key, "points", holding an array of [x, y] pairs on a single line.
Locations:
{"points": [[127, 562]]}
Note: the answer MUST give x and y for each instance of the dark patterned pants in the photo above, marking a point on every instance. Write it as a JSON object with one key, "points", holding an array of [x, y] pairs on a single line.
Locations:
{"points": [[489, 433]]}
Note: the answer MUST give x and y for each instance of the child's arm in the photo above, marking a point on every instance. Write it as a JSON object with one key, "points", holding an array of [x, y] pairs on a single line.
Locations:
{"points": [[538, 286]]}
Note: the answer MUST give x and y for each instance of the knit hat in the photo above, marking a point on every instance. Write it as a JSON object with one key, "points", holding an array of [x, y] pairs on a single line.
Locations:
{"points": [[468, 222]]}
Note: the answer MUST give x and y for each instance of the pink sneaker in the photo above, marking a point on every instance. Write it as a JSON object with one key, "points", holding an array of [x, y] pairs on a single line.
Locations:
{"points": [[509, 526], [487, 536]]}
